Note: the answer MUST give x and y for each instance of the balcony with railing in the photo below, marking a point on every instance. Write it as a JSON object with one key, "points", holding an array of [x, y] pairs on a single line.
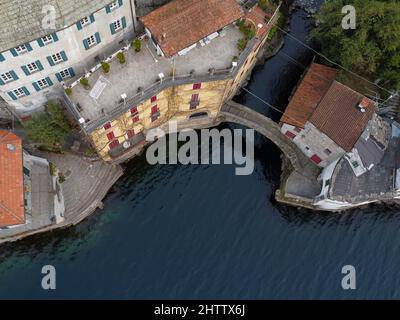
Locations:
{"points": [[145, 74]]}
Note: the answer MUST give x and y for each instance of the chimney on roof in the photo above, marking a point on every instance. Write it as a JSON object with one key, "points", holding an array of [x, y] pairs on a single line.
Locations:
{"points": [[163, 37], [363, 105]]}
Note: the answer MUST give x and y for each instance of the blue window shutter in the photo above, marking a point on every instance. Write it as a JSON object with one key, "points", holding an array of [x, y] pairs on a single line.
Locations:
{"points": [[71, 72], [40, 42], [49, 81], [14, 52], [79, 25], [86, 44], [28, 46], [1, 82], [12, 95], [27, 93], [120, 2], [39, 64], [55, 37], [98, 39], [58, 76], [64, 56], [92, 18], [2, 58], [36, 86], [50, 60], [14, 75], [112, 28], [25, 70], [123, 21], [108, 9]]}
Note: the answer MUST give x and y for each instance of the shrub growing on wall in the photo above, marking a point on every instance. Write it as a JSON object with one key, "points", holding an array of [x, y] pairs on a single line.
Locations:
{"points": [[49, 129]]}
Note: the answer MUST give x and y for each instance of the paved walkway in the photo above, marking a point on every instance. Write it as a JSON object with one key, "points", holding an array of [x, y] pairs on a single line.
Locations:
{"points": [[86, 185]]}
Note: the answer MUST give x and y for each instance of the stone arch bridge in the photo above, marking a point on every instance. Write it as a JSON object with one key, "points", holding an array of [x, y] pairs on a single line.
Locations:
{"points": [[237, 113]]}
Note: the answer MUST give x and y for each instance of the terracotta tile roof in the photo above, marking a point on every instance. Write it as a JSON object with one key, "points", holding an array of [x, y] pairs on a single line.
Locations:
{"points": [[11, 180], [311, 90], [185, 22], [259, 17], [339, 117]]}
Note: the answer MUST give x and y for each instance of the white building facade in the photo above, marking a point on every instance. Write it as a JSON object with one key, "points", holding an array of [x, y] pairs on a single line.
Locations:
{"points": [[33, 71]]}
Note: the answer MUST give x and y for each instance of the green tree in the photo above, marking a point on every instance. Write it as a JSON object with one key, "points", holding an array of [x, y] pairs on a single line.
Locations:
{"points": [[49, 128], [372, 49]]}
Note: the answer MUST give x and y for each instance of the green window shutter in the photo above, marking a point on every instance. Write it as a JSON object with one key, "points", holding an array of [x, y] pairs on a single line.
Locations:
{"points": [[108, 9], [112, 28], [79, 25], [51, 61], [14, 75], [120, 2], [40, 42], [58, 76], [12, 95], [49, 81], [28, 47], [92, 18], [14, 52], [98, 39], [36, 86], [86, 44], [25, 70], [39, 64], [2, 58], [123, 22], [26, 91], [64, 56], [1, 82], [71, 72], [55, 37]]}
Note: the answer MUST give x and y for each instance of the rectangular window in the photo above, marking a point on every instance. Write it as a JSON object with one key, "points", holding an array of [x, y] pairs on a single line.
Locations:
{"points": [[298, 130], [57, 58], [32, 67], [85, 21], [197, 86], [43, 83], [91, 41], [110, 136], [114, 144], [153, 99], [19, 93], [194, 102], [316, 159], [21, 49], [136, 119], [65, 74], [130, 134], [328, 152], [107, 126], [117, 25], [47, 39], [134, 111], [113, 5], [7, 77], [291, 135], [154, 109]]}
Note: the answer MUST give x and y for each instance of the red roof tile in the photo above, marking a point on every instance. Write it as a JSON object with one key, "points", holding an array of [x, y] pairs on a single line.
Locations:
{"points": [[339, 117], [311, 90], [181, 23], [11, 180]]}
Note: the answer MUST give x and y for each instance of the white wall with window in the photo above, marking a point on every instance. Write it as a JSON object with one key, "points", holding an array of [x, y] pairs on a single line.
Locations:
{"points": [[61, 55]]}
